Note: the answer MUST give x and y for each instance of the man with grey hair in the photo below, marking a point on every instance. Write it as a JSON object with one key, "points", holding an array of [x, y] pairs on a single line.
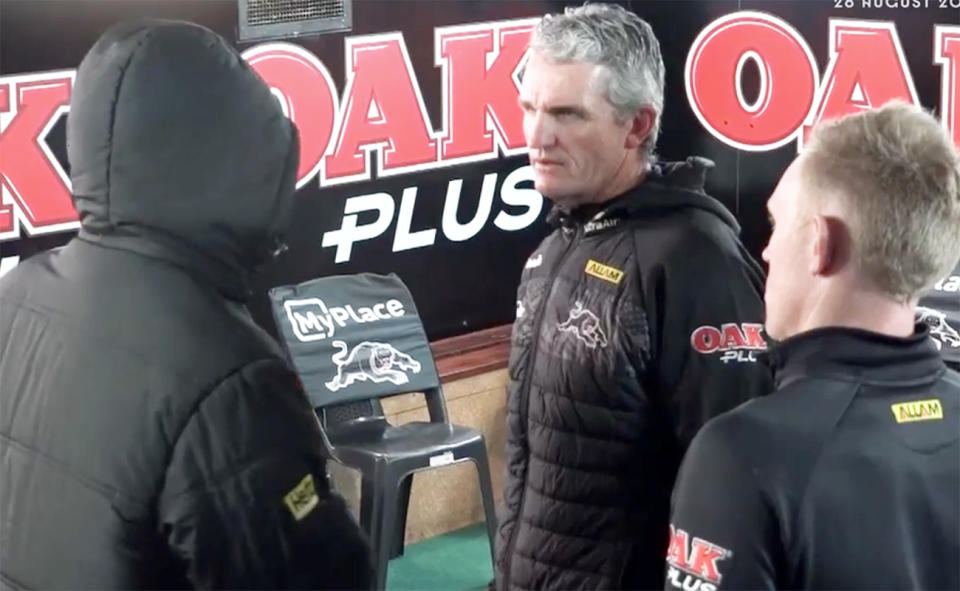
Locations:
{"points": [[848, 475], [638, 318]]}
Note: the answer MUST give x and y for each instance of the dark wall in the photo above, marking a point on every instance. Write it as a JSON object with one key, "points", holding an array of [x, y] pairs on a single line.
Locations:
{"points": [[469, 285]]}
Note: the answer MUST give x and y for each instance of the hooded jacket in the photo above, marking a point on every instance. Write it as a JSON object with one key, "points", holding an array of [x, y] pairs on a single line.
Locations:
{"points": [[151, 434], [637, 321]]}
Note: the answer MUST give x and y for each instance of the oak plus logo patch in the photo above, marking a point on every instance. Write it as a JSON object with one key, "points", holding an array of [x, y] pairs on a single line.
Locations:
{"points": [[312, 320], [694, 565], [734, 342]]}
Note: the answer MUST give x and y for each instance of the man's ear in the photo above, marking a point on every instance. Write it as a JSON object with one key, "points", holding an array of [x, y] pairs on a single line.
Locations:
{"points": [[830, 245], [641, 126]]}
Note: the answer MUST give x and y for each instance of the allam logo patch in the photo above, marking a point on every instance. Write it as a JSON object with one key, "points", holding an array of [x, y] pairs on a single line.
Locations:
{"points": [[918, 410], [605, 272], [302, 499]]}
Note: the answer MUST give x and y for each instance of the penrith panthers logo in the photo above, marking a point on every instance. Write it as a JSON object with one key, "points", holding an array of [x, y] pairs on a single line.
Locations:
{"points": [[584, 325], [942, 333], [377, 362]]}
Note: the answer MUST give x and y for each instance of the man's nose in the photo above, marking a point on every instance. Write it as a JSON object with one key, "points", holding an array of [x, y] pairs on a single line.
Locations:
{"points": [[540, 132]]}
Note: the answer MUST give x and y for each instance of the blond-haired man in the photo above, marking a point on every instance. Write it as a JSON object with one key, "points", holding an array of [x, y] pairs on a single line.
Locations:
{"points": [[848, 475]]}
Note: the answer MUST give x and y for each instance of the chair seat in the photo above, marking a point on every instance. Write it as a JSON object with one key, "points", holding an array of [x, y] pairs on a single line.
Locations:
{"points": [[402, 442]]}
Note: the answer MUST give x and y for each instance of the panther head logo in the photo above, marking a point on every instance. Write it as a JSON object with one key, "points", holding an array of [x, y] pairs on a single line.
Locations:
{"points": [[376, 362], [940, 330], [584, 325]]}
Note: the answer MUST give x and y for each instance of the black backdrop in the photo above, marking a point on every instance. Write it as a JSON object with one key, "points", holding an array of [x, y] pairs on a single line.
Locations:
{"points": [[463, 286]]}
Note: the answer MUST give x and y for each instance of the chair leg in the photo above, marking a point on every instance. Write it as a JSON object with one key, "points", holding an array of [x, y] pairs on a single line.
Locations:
{"points": [[403, 505], [387, 500], [369, 509], [486, 495]]}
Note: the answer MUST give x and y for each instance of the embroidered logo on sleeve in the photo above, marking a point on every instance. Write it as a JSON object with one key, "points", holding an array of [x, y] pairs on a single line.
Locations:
{"points": [[918, 410], [735, 342], [533, 262], [605, 272], [303, 498], [694, 566]]}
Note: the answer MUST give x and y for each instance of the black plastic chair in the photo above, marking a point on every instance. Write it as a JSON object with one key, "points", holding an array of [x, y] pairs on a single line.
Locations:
{"points": [[355, 431]]}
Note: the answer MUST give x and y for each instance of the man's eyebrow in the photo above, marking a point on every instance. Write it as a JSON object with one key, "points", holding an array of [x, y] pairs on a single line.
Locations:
{"points": [[555, 109], [569, 108]]}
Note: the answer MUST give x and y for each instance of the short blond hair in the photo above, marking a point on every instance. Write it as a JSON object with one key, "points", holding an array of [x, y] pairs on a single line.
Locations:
{"points": [[896, 175]]}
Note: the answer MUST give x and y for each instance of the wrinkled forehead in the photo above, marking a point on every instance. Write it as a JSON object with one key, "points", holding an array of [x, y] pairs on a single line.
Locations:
{"points": [[546, 80]]}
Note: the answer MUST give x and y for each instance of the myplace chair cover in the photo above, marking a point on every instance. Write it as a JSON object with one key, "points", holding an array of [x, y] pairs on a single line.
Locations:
{"points": [[354, 337]]}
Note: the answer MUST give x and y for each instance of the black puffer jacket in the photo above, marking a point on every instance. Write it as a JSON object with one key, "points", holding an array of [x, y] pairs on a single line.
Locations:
{"points": [[151, 434], [636, 322]]}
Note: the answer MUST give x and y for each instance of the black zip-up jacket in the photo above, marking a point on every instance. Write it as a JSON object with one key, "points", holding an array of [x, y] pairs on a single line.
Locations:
{"points": [[151, 435], [636, 322], [847, 477]]}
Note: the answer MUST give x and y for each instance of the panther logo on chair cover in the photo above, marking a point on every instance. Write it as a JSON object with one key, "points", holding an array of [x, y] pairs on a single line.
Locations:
{"points": [[376, 362]]}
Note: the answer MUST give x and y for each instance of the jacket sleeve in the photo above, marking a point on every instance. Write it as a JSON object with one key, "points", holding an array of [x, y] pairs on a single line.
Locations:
{"points": [[246, 501], [723, 531], [706, 313]]}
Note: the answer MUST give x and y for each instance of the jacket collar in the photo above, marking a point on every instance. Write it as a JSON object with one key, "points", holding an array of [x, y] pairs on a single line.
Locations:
{"points": [[667, 188], [858, 354]]}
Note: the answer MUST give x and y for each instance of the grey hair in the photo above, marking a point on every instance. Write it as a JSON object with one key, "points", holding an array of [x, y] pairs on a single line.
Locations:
{"points": [[621, 43], [896, 175]]}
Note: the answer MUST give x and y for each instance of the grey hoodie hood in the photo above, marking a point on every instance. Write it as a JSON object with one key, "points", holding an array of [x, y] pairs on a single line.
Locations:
{"points": [[179, 151]]}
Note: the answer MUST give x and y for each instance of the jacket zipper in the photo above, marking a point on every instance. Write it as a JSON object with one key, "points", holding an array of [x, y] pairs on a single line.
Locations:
{"points": [[525, 401]]}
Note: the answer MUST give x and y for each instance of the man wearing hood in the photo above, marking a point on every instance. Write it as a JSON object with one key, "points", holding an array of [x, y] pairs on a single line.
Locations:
{"points": [[151, 434], [638, 318]]}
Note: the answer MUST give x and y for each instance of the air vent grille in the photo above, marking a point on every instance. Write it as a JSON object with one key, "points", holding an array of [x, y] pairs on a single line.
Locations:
{"points": [[278, 19], [273, 12]]}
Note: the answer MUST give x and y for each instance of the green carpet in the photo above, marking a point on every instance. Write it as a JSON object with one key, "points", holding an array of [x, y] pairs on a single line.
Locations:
{"points": [[456, 561]]}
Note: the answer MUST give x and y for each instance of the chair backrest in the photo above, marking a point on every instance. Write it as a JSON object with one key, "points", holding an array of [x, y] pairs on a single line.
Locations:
{"points": [[354, 339]]}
